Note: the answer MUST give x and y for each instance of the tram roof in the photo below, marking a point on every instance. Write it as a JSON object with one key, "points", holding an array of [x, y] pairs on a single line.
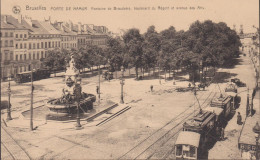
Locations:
{"points": [[188, 138], [215, 110]]}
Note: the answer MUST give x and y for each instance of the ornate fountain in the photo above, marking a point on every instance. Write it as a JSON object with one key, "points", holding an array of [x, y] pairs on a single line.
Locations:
{"points": [[72, 95]]}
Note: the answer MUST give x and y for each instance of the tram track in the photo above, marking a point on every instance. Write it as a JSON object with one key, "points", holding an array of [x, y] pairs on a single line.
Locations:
{"points": [[159, 134], [14, 149]]}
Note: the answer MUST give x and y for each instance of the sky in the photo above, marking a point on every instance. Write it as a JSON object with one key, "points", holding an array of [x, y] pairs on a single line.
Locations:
{"points": [[232, 12]]}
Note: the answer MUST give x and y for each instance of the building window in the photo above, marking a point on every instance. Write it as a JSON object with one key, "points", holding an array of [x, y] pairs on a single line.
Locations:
{"points": [[38, 45], [25, 46], [16, 45], [11, 34], [45, 54], [24, 68], [21, 45], [21, 57], [24, 56], [30, 56], [6, 34], [6, 43], [55, 44], [41, 44], [33, 55], [25, 35], [21, 36], [21, 69], [38, 56], [16, 35], [49, 44], [52, 44], [0, 34], [41, 54], [16, 57], [30, 45], [11, 43], [6, 55], [0, 43], [33, 45], [11, 55], [46, 44]]}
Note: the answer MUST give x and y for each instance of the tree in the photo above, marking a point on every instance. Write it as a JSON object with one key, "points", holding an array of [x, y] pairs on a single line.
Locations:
{"points": [[134, 42]]}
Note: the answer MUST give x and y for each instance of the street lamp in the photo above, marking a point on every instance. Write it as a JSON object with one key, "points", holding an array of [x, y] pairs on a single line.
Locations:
{"points": [[122, 83], [77, 92], [9, 102], [256, 129]]}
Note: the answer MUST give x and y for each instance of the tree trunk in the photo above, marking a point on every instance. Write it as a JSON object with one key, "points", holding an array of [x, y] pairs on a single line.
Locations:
{"points": [[153, 70], [165, 75], [136, 72], [148, 72], [129, 72], [143, 72]]}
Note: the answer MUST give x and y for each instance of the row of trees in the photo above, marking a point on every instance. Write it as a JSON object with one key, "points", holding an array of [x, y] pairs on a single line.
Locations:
{"points": [[204, 44]]}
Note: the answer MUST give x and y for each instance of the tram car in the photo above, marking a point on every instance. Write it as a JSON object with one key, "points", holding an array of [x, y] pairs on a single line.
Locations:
{"points": [[37, 75], [198, 132], [231, 90], [224, 102]]}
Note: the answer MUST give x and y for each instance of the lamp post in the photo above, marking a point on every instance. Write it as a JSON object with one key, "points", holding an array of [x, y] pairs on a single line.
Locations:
{"points": [[122, 84], [77, 92], [9, 102], [256, 130]]}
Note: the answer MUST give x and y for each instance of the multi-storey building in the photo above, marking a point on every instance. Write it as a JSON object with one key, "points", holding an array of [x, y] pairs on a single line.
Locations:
{"points": [[14, 37], [25, 42], [68, 36]]}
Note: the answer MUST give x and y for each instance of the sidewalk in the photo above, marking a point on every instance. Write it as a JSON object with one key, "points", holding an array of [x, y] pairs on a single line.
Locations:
{"points": [[229, 147]]}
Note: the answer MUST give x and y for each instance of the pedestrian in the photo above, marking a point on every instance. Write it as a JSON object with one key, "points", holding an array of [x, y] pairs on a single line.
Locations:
{"points": [[218, 132], [97, 89], [189, 85], [151, 87], [239, 118], [222, 134]]}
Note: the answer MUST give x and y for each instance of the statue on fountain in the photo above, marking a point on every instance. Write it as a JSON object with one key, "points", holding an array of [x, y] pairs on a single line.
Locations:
{"points": [[72, 93]]}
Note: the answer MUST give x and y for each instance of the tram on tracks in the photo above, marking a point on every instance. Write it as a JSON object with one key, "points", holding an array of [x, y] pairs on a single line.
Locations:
{"points": [[224, 102], [38, 74], [201, 131], [197, 133], [231, 90]]}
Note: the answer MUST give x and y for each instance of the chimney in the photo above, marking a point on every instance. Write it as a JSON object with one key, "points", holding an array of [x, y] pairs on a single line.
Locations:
{"points": [[85, 28], [79, 27], [28, 20], [20, 19], [5, 18]]}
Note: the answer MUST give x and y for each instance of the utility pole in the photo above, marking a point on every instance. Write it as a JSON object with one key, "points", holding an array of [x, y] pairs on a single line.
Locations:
{"points": [[9, 102], [99, 83], [31, 109], [122, 84]]}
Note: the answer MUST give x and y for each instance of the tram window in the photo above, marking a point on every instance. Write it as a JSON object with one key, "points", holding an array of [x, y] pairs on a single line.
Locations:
{"points": [[179, 150], [192, 151]]}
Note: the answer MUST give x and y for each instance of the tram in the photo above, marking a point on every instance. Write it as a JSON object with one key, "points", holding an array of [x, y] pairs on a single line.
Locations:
{"points": [[197, 133], [231, 90], [37, 75], [224, 102]]}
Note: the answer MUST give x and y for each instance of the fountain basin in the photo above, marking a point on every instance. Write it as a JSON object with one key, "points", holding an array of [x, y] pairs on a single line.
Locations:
{"points": [[85, 104]]}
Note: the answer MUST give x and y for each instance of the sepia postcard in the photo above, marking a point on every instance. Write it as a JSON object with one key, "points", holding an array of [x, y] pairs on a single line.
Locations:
{"points": [[130, 79]]}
